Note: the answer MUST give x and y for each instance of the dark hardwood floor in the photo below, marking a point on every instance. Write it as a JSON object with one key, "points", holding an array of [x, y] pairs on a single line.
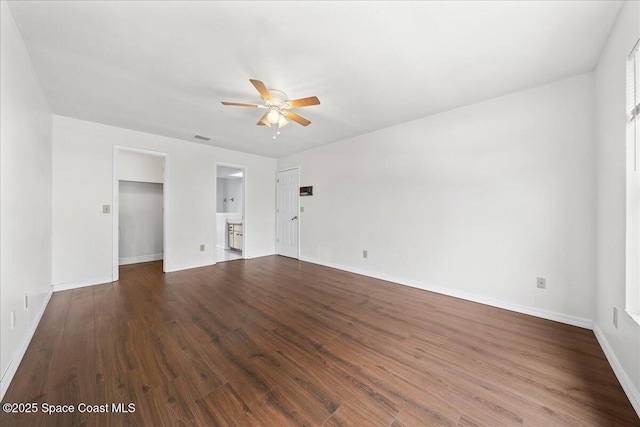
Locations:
{"points": [[273, 341]]}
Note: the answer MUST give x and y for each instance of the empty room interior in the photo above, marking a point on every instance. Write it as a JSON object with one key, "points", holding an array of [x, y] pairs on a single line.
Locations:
{"points": [[372, 213]]}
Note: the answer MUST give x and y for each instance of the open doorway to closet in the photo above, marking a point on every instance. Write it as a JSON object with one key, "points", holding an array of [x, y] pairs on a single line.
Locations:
{"points": [[139, 203], [230, 224]]}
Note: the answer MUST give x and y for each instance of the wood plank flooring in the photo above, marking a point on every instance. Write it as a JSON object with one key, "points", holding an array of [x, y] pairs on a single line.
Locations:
{"points": [[278, 342]]}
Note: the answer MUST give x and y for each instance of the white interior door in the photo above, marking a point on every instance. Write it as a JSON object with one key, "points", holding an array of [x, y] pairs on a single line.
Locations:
{"points": [[287, 213]]}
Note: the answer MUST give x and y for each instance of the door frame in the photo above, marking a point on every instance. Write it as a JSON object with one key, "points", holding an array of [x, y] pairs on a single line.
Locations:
{"points": [[245, 171], [115, 211], [297, 168]]}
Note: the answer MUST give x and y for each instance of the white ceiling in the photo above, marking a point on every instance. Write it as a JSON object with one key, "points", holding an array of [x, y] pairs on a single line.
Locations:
{"points": [[164, 67]]}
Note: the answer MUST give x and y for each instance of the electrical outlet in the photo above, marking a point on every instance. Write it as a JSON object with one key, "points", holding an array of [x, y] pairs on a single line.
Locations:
{"points": [[365, 254], [201, 248], [615, 317], [106, 209], [541, 283], [26, 301], [13, 319]]}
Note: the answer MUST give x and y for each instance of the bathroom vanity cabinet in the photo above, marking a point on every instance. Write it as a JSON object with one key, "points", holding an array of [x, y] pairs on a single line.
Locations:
{"points": [[234, 232]]}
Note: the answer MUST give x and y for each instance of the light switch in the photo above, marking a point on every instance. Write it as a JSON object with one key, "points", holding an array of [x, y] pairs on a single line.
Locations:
{"points": [[106, 209], [301, 208]]}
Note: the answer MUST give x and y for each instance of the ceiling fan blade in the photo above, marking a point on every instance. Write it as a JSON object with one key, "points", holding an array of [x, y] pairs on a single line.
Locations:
{"points": [[264, 92], [304, 102], [263, 121], [240, 104], [296, 118]]}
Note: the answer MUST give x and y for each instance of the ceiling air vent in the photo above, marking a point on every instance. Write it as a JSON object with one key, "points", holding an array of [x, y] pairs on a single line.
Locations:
{"points": [[204, 138]]}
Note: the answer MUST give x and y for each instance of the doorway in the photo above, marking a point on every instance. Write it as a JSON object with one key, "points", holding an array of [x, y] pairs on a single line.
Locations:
{"points": [[230, 225], [287, 203], [140, 222], [139, 205]]}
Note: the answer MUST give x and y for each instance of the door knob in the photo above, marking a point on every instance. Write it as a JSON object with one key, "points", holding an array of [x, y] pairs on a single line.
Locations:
{"points": [[295, 217]]}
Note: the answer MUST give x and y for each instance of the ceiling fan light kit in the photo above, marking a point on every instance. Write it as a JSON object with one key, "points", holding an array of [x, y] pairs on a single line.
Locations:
{"points": [[278, 107], [273, 116]]}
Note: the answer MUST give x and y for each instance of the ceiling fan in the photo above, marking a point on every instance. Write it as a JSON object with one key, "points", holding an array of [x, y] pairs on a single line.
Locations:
{"points": [[279, 107]]}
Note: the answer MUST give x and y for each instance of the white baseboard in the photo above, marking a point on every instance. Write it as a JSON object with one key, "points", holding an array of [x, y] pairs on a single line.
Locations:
{"points": [[11, 370], [258, 255], [139, 258], [82, 283], [537, 312], [627, 385], [189, 266]]}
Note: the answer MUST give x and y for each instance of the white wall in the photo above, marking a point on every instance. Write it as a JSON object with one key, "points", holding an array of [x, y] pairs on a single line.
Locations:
{"points": [[140, 222], [476, 202], [82, 183], [140, 167], [220, 208], [25, 195], [610, 79], [229, 188], [234, 191]]}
